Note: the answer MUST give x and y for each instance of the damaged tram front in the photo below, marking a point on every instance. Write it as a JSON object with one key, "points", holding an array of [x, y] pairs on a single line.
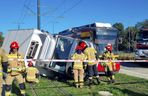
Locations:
{"points": [[98, 35]]}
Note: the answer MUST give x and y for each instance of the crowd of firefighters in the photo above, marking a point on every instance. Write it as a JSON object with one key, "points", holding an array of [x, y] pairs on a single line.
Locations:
{"points": [[12, 69], [85, 51]]}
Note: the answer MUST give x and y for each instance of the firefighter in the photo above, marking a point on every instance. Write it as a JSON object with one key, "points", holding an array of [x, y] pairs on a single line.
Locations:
{"points": [[15, 69], [78, 67], [32, 73], [3, 68], [91, 53], [108, 55]]}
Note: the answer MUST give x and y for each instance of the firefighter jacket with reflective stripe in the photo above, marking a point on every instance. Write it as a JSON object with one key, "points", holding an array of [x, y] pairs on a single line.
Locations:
{"points": [[91, 54], [3, 58], [15, 66], [31, 73], [78, 65], [109, 56]]}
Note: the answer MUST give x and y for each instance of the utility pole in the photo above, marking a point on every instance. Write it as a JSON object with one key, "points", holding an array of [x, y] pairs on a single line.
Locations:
{"points": [[38, 15], [129, 39]]}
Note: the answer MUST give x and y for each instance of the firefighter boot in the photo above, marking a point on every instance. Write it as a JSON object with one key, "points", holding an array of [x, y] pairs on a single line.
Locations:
{"points": [[90, 82], [81, 84], [113, 79], [23, 95], [76, 84], [98, 80], [109, 80]]}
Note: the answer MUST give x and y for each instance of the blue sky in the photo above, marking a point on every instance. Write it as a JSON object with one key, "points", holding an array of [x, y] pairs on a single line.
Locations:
{"points": [[64, 14]]}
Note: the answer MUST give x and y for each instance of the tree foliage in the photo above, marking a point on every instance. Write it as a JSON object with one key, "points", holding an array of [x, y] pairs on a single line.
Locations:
{"points": [[143, 24], [128, 34], [1, 39]]}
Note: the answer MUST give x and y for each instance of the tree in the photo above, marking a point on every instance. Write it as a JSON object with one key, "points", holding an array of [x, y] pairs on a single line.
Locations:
{"points": [[120, 28], [1, 39], [142, 24], [131, 37]]}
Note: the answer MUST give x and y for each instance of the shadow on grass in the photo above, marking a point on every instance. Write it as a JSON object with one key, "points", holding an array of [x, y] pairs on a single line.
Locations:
{"points": [[130, 93], [137, 82]]}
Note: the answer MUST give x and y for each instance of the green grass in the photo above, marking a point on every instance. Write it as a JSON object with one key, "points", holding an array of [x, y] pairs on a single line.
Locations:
{"points": [[125, 86]]}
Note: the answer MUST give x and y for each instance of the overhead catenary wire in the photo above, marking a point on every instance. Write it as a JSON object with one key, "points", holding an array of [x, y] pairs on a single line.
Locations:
{"points": [[64, 12], [56, 8], [69, 9], [24, 11]]}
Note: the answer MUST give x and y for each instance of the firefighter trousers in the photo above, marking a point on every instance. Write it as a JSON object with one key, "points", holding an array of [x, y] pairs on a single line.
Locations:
{"points": [[92, 70], [79, 76], [9, 81]]}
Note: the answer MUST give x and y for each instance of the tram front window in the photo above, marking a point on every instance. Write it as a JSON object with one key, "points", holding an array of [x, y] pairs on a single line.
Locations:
{"points": [[105, 36]]}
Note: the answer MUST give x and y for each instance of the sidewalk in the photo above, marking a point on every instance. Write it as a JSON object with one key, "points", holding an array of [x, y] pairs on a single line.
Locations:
{"points": [[135, 70]]}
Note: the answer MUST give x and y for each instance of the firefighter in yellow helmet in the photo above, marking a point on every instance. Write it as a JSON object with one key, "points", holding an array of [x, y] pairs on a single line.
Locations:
{"points": [[108, 55], [91, 53], [15, 69], [78, 67], [3, 67], [32, 73]]}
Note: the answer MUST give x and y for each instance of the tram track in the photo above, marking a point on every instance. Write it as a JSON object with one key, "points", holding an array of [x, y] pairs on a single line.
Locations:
{"points": [[33, 90], [61, 91]]}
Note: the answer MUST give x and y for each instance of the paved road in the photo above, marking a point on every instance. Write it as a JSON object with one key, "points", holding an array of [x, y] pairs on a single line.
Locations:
{"points": [[134, 70]]}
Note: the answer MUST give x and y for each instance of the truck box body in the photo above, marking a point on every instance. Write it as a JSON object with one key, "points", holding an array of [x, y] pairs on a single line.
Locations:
{"points": [[33, 43]]}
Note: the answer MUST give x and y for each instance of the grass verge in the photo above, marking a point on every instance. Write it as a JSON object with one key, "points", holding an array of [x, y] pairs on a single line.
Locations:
{"points": [[125, 86]]}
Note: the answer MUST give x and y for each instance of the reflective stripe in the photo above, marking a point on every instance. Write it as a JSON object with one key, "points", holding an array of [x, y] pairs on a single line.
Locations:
{"points": [[15, 69], [30, 68], [22, 91], [9, 70], [31, 77], [8, 93], [14, 55], [1, 72]]}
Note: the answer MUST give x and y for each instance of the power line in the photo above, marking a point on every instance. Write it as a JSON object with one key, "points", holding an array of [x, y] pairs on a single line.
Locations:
{"points": [[23, 13], [56, 8], [66, 11], [32, 12]]}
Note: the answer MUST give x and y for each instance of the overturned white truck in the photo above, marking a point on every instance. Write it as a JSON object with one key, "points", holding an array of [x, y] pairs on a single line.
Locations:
{"points": [[38, 45]]}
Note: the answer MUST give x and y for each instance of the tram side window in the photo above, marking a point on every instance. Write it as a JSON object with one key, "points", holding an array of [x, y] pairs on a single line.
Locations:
{"points": [[32, 49]]}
